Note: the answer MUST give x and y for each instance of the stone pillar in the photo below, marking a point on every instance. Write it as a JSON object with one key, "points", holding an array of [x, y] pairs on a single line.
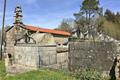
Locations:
{"points": [[6, 62]]}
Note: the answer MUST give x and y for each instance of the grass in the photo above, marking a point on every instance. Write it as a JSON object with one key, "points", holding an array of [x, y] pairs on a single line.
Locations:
{"points": [[35, 75], [40, 75], [2, 70], [47, 74]]}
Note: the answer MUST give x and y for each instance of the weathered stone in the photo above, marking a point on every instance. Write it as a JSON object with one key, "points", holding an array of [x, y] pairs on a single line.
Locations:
{"points": [[117, 67], [88, 54], [35, 56]]}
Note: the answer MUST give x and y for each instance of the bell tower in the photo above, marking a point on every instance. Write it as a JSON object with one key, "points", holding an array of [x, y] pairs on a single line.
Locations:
{"points": [[18, 15], [18, 24]]}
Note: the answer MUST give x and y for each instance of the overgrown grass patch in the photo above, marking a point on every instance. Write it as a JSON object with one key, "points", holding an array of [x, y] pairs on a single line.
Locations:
{"points": [[50, 74], [2, 69], [40, 75]]}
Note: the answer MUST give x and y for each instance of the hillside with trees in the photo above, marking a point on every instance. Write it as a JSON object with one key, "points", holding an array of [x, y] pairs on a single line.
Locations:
{"points": [[91, 13], [112, 24]]}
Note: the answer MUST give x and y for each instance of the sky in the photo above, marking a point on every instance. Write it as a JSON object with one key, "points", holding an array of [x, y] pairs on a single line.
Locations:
{"points": [[48, 13]]}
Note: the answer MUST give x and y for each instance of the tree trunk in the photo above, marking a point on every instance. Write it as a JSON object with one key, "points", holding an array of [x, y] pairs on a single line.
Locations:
{"points": [[89, 18]]}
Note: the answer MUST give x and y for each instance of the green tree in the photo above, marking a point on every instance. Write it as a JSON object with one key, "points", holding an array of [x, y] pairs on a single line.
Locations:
{"points": [[89, 12], [117, 17], [66, 25], [109, 15], [90, 8], [100, 23]]}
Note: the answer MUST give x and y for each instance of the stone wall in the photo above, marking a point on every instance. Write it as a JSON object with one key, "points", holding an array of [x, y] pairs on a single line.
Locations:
{"points": [[60, 39], [35, 56], [62, 60], [10, 41], [89, 54], [26, 56]]}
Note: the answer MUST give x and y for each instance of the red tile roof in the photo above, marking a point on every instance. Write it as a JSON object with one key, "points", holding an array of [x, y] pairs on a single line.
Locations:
{"points": [[32, 28]]}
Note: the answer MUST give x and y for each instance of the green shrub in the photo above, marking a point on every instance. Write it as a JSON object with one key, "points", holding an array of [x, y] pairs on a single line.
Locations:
{"points": [[88, 74], [74, 38]]}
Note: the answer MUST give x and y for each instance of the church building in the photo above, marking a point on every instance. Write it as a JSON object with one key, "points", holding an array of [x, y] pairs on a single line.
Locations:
{"points": [[32, 46]]}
